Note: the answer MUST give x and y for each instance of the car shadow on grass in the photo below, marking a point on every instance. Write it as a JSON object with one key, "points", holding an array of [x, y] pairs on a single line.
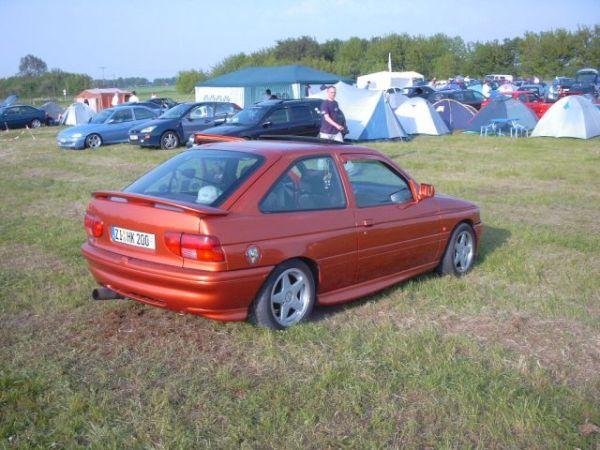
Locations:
{"points": [[493, 238]]}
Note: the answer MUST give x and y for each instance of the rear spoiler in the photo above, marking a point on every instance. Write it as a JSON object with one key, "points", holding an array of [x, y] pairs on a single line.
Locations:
{"points": [[201, 138], [125, 197]]}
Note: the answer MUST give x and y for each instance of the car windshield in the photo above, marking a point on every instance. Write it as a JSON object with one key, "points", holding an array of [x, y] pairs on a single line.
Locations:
{"points": [[586, 77], [102, 116], [177, 112], [248, 116], [206, 177]]}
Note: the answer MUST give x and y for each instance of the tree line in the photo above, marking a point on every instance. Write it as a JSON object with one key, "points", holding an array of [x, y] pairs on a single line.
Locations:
{"points": [[545, 54], [34, 80]]}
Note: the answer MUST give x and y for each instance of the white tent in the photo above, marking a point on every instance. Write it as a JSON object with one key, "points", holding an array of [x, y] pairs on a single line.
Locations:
{"points": [[572, 116], [76, 114], [417, 116], [382, 81], [368, 115], [395, 99]]}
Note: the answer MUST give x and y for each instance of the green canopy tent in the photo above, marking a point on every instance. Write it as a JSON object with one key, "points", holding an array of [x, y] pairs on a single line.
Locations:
{"points": [[247, 86]]}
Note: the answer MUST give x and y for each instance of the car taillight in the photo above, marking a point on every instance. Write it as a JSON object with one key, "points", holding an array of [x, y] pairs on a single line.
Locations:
{"points": [[93, 225], [199, 247]]}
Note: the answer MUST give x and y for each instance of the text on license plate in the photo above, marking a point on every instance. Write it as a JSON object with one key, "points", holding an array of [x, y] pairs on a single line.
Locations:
{"points": [[133, 137], [131, 237]]}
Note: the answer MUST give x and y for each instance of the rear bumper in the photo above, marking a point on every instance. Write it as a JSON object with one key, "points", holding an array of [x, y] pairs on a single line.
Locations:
{"points": [[216, 295]]}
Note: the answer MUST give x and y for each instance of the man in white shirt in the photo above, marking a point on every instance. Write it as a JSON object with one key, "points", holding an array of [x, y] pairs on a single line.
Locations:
{"points": [[134, 98], [115, 100]]}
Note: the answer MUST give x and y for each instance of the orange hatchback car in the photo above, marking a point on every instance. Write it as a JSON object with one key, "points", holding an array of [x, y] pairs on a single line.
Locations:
{"points": [[266, 229]]}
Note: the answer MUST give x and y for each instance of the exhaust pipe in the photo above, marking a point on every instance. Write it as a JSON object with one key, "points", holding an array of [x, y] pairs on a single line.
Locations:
{"points": [[104, 293]]}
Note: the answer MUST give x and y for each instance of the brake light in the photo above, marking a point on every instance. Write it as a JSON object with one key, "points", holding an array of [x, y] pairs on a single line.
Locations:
{"points": [[199, 247], [93, 225]]}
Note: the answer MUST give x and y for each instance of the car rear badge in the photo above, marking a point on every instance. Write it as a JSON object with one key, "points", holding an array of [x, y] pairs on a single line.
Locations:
{"points": [[252, 254]]}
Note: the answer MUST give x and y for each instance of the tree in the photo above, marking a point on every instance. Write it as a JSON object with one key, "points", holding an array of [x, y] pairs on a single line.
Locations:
{"points": [[187, 80], [32, 66], [296, 49]]}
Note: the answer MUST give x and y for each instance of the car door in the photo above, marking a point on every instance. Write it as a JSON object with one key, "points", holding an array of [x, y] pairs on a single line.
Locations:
{"points": [[309, 207], [395, 233], [117, 127], [199, 118], [276, 122], [302, 122]]}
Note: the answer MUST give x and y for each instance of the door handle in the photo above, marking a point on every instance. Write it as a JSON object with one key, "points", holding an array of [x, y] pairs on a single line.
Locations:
{"points": [[367, 222]]}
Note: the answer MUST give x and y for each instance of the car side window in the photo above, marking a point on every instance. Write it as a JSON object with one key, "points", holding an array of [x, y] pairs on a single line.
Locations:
{"points": [[202, 112], [122, 115], [523, 98], [141, 113], [373, 183], [278, 116], [301, 114], [309, 184], [12, 111], [224, 108]]}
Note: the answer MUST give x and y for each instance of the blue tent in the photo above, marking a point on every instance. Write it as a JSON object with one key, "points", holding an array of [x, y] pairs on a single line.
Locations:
{"points": [[454, 114], [503, 108]]}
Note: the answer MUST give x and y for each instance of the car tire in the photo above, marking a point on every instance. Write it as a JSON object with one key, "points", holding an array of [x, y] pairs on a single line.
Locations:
{"points": [[93, 141], [169, 140], [35, 123], [287, 297], [460, 253]]}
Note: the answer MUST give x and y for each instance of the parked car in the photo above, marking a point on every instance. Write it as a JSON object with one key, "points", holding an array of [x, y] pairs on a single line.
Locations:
{"points": [[465, 96], [587, 81], [265, 230], [20, 116], [532, 100], [177, 124], [560, 87], [272, 117], [109, 126], [423, 91]]}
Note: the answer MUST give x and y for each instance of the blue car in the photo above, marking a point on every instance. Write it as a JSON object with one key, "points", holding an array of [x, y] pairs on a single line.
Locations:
{"points": [[175, 126], [109, 126], [19, 116]]}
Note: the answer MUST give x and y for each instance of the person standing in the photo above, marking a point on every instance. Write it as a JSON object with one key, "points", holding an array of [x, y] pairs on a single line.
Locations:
{"points": [[267, 95], [134, 98], [331, 126], [115, 99]]}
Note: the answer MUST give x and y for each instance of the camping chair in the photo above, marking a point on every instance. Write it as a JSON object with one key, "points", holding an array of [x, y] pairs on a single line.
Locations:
{"points": [[516, 130], [489, 128]]}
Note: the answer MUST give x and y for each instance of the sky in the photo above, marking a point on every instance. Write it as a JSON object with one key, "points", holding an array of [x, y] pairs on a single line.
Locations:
{"points": [[158, 38]]}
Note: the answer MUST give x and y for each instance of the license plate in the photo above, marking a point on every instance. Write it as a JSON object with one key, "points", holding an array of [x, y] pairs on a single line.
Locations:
{"points": [[132, 237], [133, 137]]}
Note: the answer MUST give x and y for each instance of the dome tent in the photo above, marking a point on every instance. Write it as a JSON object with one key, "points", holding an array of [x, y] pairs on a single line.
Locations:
{"points": [[503, 108], [368, 115], [417, 116], [77, 114], [454, 114], [572, 116]]}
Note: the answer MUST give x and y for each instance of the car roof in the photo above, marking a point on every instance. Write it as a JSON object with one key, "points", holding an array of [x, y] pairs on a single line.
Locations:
{"points": [[280, 147], [279, 101]]}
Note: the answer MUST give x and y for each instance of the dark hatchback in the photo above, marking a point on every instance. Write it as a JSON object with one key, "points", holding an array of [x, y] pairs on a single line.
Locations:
{"points": [[422, 91], [464, 96], [272, 117], [175, 125], [20, 116]]}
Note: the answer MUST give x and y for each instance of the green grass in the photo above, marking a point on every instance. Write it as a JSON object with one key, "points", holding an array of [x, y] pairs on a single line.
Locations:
{"points": [[506, 357]]}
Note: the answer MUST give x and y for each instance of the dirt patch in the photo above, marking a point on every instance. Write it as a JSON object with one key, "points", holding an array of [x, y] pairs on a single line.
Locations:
{"points": [[28, 257], [568, 350]]}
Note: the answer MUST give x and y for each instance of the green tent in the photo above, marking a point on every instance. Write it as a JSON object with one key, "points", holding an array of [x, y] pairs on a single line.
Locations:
{"points": [[283, 81]]}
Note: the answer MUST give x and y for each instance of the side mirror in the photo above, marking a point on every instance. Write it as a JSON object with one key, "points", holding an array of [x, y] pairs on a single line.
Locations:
{"points": [[110, 121], [267, 124], [426, 191]]}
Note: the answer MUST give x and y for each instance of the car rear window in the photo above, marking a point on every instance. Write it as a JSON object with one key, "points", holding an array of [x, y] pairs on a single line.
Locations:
{"points": [[206, 177]]}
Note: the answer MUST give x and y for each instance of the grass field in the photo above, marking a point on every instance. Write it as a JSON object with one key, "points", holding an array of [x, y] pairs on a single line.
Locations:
{"points": [[506, 357]]}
